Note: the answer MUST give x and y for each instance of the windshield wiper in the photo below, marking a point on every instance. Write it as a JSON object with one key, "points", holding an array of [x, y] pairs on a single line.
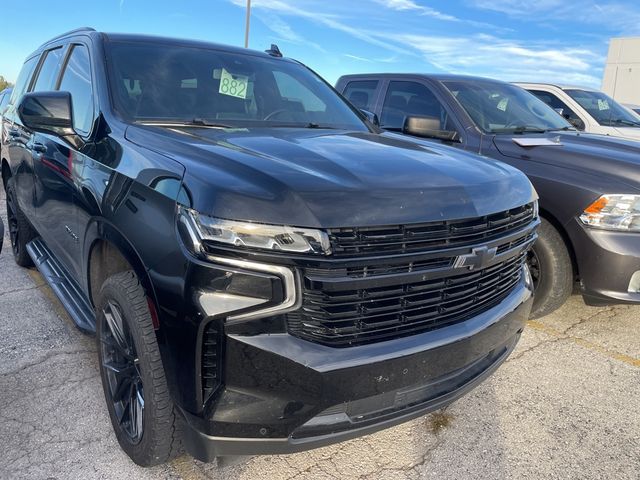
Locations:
{"points": [[621, 121], [195, 122], [563, 129], [519, 129]]}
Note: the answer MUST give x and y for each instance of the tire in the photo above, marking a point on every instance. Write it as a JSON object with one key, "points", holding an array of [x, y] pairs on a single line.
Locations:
{"points": [[149, 431], [552, 271], [20, 230]]}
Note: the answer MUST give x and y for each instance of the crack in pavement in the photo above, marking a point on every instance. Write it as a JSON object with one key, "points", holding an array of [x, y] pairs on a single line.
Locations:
{"points": [[43, 359]]}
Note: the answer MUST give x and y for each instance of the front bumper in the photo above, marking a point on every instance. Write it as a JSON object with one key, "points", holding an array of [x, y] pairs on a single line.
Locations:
{"points": [[282, 394], [607, 262]]}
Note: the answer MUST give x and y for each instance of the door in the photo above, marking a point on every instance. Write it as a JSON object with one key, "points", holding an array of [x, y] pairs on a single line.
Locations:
{"points": [[59, 166], [14, 142]]}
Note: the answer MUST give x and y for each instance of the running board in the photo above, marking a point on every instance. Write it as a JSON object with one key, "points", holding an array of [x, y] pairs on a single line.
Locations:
{"points": [[65, 288]]}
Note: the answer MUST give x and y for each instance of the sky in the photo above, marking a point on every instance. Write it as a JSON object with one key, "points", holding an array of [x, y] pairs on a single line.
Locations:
{"points": [[563, 41]]}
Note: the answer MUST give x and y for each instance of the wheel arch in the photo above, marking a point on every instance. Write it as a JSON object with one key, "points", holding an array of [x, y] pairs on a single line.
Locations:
{"points": [[108, 252]]}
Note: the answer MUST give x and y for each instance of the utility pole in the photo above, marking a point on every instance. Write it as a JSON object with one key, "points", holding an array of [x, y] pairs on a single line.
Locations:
{"points": [[246, 29]]}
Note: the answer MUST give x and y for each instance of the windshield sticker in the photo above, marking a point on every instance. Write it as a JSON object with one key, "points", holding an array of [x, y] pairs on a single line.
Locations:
{"points": [[502, 105], [603, 105], [233, 85]]}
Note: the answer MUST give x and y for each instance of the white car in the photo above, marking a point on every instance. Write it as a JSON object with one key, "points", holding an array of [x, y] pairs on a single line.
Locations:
{"points": [[588, 110]]}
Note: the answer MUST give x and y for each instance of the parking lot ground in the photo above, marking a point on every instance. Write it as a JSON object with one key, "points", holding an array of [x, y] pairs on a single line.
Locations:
{"points": [[565, 405]]}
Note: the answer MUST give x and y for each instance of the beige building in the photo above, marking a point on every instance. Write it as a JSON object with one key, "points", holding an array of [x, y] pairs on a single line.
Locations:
{"points": [[622, 72]]}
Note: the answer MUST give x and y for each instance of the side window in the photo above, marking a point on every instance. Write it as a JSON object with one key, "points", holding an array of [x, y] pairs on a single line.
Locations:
{"points": [[49, 70], [23, 80], [361, 93], [76, 80], [412, 99], [557, 104]]}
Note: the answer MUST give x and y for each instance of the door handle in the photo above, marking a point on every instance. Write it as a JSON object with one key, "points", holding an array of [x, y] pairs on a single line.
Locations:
{"points": [[38, 147]]}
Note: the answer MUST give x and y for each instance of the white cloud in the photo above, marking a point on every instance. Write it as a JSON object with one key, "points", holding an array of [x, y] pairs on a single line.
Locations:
{"points": [[622, 17], [402, 5]]}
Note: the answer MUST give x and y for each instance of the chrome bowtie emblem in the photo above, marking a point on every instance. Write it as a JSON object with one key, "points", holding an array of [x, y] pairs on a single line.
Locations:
{"points": [[478, 258]]}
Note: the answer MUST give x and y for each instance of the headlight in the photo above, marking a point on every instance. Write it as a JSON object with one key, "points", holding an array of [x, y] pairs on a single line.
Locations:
{"points": [[614, 212], [253, 235]]}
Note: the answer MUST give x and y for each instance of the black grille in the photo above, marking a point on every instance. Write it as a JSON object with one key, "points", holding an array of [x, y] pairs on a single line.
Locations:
{"points": [[397, 239], [340, 318], [211, 355]]}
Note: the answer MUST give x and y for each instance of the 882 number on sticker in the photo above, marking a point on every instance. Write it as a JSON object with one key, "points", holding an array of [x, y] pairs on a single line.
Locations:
{"points": [[233, 85]]}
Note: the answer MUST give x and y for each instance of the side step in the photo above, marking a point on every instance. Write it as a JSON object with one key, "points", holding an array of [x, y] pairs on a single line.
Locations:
{"points": [[65, 288]]}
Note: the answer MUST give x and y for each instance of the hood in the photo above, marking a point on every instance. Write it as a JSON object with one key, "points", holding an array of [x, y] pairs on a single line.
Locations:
{"points": [[330, 178], [632, 133], [595, 154]]}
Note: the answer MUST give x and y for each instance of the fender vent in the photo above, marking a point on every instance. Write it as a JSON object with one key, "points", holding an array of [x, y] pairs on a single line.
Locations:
{"points": [[211, 360]]}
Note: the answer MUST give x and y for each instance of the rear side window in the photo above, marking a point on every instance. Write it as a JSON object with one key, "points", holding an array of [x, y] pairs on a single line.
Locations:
{"points": [[48, 73], [23, 80], [76, 80], [412, 99], [361, 93], [557, 104], [4, 99]]}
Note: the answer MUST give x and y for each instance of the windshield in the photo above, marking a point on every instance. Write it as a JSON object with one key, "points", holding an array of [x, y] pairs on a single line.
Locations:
{"points": [[206, 87], [604, 109], [504, 108]]}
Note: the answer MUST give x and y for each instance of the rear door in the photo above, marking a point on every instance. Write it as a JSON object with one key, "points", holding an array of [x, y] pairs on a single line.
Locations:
{"points": [[15, 139]]}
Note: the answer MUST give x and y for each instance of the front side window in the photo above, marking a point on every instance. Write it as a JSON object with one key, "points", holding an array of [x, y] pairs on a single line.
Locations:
{"points": [[504, 108], [49, 70], [558, 105], [164, 83], [76, 80], [23, 80], [361, 93], [604, 109], [405, 99]]}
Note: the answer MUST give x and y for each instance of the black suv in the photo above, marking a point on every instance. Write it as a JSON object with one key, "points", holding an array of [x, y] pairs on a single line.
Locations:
{"points": [[266, 272], [589, 185]]}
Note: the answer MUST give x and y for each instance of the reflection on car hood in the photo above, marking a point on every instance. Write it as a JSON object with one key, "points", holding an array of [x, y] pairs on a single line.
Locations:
{"points": [[325, 178]]}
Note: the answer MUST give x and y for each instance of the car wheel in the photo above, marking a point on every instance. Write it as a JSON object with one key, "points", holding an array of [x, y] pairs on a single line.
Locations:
{"points": [[20, 230], [551, 271], [141, 410]]}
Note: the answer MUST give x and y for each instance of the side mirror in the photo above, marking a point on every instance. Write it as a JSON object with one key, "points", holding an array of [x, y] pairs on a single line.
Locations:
{"points": [[578, 123], [47, 112], [428, 127], [372, 117]]}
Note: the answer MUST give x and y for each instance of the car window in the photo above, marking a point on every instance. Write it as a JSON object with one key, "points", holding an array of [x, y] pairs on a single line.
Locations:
{"points": [[23, 80], [76, 80], [49, 70], [361, 93], [3, 101], [604, 109], [412, 99], [160, 83], [558, 105], [497, 107]]}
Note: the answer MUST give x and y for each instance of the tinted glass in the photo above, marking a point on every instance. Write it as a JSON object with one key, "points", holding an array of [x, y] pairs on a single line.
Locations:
{"points": [[23, 80], [604, 109], [557, 104], [48, 73], [504, 108], [361, 93], [76, 80], [4, 99], [153, 82], [405, 99]]}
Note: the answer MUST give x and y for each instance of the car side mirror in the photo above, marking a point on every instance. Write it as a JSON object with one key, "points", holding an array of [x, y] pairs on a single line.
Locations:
{"points": [[578, 123], [47, 112], [428, 127], [372, 117]]}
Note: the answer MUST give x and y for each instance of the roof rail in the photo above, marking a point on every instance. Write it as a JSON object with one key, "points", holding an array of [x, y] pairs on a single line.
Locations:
{"points": [[75, 30]]}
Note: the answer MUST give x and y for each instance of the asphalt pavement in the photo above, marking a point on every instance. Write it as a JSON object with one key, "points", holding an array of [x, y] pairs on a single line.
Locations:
{"points": [[566, 405]]}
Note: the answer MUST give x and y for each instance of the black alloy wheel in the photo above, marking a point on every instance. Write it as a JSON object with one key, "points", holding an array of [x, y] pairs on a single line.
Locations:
{"points": [[120, 363]]}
